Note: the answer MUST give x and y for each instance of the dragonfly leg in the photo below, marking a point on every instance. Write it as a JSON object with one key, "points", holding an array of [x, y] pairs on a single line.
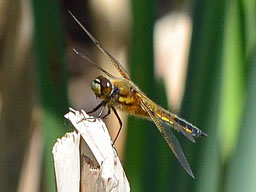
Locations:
{"points": [[101, 111], [97, 107], [107, 114], [120, 123]]}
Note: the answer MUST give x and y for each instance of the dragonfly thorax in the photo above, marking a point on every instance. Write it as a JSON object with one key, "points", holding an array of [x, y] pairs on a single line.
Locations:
{"points": [[102, 87]]}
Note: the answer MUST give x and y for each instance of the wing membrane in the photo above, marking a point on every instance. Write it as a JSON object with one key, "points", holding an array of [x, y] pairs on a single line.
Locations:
{"points": [[171, 140], [114, 61], [175, 125], [93, 63]]}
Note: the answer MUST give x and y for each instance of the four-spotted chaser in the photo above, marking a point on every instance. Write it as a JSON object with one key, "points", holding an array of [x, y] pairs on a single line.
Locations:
{"points": [[123, 94]]}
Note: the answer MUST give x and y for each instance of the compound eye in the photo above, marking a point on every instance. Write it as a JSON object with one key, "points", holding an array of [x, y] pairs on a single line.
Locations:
{"points": [[102, 87], [106, 86], [105, 83]]}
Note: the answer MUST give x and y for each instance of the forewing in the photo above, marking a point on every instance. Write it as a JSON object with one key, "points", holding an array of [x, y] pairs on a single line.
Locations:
{"points": [[93, 63], [171, 140], [114, 61]]}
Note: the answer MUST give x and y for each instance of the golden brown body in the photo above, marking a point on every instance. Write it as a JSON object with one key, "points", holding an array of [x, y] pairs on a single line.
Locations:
{"points": [[129, 99]]}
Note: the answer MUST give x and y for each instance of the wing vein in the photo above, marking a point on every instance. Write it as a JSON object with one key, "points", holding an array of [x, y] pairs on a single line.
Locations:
{"points": [[116, 63]]}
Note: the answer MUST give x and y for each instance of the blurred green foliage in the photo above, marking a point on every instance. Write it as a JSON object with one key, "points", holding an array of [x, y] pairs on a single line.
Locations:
{"points": [[146, 165], [51, 77], [219, 98], [141, 52]]}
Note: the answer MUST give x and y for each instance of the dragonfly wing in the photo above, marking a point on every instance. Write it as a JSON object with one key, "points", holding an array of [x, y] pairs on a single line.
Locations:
{"points": [[174, 124], [115, 62], [171, 140], [83, 56], [177, 150]]}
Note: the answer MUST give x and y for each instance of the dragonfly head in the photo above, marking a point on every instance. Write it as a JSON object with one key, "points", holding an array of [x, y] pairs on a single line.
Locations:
{"points": [[102, 87]]}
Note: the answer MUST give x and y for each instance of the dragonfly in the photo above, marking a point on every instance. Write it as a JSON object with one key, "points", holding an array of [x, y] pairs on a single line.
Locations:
{"points": [[122, 94]]}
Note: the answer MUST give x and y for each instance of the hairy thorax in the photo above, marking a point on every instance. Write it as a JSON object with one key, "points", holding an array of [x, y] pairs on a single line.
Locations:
{"points": [[127, 98]]}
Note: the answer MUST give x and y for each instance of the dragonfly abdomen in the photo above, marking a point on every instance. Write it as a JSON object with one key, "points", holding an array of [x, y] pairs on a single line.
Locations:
{"points": [[181, 123], [191, 129]]}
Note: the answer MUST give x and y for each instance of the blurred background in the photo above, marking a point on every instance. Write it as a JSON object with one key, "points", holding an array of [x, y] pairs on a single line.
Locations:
{"points": [[195, 58]]}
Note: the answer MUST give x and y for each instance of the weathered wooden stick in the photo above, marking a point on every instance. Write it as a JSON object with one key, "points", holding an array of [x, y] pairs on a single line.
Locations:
{"points": [[89, 164]]}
